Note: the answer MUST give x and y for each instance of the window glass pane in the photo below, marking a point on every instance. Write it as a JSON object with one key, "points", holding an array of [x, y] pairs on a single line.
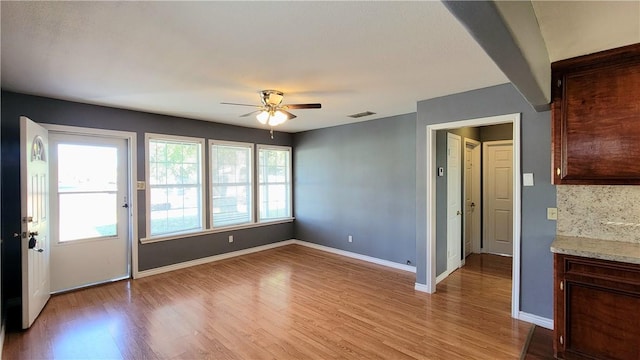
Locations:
{"points": [[275, 183], [87, 179], [87, 168], [231, 184], [77, 223], [175, 189]]}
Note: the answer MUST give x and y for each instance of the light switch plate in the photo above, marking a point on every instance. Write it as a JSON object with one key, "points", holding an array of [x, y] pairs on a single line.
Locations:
{"points": [[527, 179], [552, 213]]}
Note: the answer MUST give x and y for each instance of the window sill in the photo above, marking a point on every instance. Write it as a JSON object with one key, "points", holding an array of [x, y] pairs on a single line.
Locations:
{"points": [[149, 240]]}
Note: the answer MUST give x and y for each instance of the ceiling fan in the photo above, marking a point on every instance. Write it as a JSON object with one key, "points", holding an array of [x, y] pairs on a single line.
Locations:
{"points": [[272, 112]]}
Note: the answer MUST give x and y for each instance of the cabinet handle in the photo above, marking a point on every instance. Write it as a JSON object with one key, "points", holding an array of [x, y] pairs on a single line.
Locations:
{"points": [[558, 171], [561, 285]]}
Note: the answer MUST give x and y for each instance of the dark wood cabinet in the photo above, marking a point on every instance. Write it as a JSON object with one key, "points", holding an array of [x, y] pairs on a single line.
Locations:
{"points": [[596, 309], [596, 118]]}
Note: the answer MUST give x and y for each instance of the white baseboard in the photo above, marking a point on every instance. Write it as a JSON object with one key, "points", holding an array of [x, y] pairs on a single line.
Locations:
{"points": [[422, 288], [353, 255], [535, 319], [186, 264], [444, 275]]}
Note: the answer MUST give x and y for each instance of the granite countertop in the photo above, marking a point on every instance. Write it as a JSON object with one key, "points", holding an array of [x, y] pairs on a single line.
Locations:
{"points": [[627, 252]]}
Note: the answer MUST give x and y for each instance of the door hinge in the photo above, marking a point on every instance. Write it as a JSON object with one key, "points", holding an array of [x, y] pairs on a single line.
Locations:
{"points": [[561, 340], [561, 285]]}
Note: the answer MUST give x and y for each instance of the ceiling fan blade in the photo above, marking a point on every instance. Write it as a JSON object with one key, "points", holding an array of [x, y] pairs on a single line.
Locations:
{"points": [[289, 115], [227, 103], [251, 113], [302, 106]]}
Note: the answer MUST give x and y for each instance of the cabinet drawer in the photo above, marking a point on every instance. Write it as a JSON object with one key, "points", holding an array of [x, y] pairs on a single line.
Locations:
{"points": [[602, 271]]}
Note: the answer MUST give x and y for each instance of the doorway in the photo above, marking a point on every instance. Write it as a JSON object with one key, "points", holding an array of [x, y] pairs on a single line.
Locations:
{"points": [[92, 207], [498, 197], [472, 200], [431, 130], [454, 202]]}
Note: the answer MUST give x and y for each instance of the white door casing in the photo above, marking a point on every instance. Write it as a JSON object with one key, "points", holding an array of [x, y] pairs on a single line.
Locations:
{"points": [[454, 202], [34, 214], [430, 208], [498, 197], [472, 189], [90, 217]]}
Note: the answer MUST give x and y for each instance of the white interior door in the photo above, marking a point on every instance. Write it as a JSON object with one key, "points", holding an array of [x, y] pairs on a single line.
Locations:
{"points": [[498, 197], [472, 190], [454, 202], [35, 250], [90, 227]]}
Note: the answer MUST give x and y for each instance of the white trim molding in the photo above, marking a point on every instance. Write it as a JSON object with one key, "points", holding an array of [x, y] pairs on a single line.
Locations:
{"points": [[208, 259], [430, 224], [535, 319], [444, 275], [353, 255], [205, 260]]}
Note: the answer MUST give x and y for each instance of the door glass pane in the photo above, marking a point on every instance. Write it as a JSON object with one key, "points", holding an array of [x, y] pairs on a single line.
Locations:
{"points": [[87, 191]]}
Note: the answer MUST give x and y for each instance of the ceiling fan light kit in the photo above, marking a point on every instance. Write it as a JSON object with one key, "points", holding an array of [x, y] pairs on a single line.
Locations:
{"points": [[272, 118], [272, 112]]}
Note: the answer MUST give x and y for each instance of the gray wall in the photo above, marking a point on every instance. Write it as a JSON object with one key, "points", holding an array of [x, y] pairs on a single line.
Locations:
{"points": [[358, 180], [536, 295], [496, 132], [45, 110]]}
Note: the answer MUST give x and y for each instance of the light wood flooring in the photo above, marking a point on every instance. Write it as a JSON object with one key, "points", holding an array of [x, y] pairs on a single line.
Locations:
{"points": [[290, 302]]}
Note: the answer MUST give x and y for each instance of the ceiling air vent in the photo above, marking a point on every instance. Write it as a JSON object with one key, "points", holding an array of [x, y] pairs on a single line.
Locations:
{"points": [[362, 114]]}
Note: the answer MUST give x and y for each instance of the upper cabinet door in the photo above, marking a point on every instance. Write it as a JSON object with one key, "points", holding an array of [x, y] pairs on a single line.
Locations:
{"points": [[596, 118]]}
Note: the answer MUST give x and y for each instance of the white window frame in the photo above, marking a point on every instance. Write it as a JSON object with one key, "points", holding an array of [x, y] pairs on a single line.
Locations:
{"points": [[203, 191], [258, 183], [252, 182]]}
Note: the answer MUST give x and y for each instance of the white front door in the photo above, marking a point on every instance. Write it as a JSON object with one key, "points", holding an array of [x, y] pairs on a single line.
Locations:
{"points": [[454, 202], [498, 197], [90, 228], [34, 183]]}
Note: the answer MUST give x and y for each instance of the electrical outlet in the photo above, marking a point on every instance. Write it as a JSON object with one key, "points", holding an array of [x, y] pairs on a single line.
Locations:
{"points": [[552, 213], [230, 238], [350, 238]]}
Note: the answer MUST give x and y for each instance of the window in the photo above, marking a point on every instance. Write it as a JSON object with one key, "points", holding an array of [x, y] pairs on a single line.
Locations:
{"points": [[174, 191], [231, 183], [274, 181]]}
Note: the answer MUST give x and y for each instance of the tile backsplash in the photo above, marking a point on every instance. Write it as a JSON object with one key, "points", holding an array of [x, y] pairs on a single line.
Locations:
{"points": [[600, 212]]}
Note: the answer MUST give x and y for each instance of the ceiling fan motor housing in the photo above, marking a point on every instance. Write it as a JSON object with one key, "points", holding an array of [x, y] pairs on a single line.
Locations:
{"points": [[272, 97]]}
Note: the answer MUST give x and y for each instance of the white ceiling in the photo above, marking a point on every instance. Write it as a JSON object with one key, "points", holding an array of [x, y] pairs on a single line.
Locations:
{"points": [[574, 28], [184, 58]]}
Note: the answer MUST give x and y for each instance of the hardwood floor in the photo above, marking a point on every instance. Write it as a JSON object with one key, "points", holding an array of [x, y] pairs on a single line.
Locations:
{"points": [[540, 346], [291, 302]]}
